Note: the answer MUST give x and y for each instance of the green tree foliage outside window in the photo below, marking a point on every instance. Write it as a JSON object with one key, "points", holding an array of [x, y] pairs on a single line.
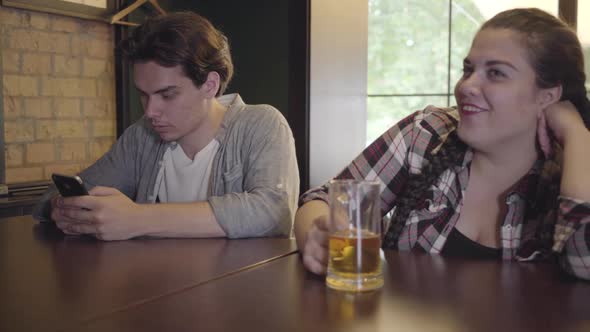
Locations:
{"points": [[408, 56]]}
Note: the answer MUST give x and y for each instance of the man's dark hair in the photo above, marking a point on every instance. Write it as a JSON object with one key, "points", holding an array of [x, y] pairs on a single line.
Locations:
{"points": [[185, 39]]}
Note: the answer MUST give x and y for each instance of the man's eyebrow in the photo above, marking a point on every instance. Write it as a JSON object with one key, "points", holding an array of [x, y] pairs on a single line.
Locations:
{"points": [[166, 89], [162, 90]]}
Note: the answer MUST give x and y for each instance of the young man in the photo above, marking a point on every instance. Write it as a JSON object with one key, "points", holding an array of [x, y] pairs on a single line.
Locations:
{"points": [[216, 166]]}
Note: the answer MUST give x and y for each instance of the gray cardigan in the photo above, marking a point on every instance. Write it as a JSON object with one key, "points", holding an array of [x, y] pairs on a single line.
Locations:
{"points": [[254, 183]]}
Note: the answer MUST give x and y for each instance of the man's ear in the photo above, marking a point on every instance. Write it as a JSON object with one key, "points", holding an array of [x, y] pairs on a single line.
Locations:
{"points": [[211, 85], [549, 96]]}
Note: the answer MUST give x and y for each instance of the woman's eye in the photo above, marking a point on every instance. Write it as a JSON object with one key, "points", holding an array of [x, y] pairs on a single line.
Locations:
{"points": [[494, 73]]}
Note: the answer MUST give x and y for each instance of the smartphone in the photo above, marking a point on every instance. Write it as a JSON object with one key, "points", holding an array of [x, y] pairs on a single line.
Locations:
{"points": [[69, 185]]}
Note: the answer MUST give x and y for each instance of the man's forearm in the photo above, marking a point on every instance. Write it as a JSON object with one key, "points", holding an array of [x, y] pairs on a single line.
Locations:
{"points": [[180, 220]]}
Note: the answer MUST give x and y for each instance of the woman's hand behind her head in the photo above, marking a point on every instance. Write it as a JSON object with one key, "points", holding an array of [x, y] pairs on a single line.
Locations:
{"points": [[559, 120]]}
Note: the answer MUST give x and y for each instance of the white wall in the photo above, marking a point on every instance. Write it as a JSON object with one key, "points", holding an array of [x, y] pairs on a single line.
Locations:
{"points": [[338, 86]]}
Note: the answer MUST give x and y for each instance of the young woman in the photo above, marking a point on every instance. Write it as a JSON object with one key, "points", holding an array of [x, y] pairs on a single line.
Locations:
{"points": [[504, 174]]}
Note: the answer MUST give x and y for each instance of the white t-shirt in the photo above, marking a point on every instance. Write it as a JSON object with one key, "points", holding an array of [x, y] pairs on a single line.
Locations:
{"points": [[186, 180]]}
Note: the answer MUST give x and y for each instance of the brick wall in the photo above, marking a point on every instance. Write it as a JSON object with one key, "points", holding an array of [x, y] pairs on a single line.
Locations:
{"points": [[58, 93]]}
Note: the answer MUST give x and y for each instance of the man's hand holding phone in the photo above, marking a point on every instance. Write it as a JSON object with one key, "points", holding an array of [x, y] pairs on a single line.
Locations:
{"points": [[104, 212], [68, 186]]}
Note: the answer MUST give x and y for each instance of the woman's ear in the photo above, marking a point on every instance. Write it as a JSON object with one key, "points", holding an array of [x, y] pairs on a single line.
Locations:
{"points": [[549, 96], [211, 85]]}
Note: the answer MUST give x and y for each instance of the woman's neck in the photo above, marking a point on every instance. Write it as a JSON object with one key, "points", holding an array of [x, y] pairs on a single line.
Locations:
{"points": [[504, 167]]}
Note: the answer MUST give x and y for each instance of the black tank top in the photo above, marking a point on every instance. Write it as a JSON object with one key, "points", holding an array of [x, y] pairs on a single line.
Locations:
{"points": [[459, 245]]}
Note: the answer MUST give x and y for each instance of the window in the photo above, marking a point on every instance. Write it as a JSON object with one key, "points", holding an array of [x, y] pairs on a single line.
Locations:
{"points": [[416, 50]]}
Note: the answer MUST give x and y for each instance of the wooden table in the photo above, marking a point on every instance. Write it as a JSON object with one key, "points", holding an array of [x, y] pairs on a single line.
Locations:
{"points": [[421, 293], [49, 281]]}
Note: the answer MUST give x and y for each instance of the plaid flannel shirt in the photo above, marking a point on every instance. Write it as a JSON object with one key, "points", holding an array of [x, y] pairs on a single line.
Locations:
{"points": [[538, 220]]}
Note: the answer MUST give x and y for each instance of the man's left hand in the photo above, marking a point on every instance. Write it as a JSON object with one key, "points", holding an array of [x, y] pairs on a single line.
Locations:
{"points": [[106, 214]]}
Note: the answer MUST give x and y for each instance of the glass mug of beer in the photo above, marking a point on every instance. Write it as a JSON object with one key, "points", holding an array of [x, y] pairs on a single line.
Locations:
{"points": [[355, 236]]}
